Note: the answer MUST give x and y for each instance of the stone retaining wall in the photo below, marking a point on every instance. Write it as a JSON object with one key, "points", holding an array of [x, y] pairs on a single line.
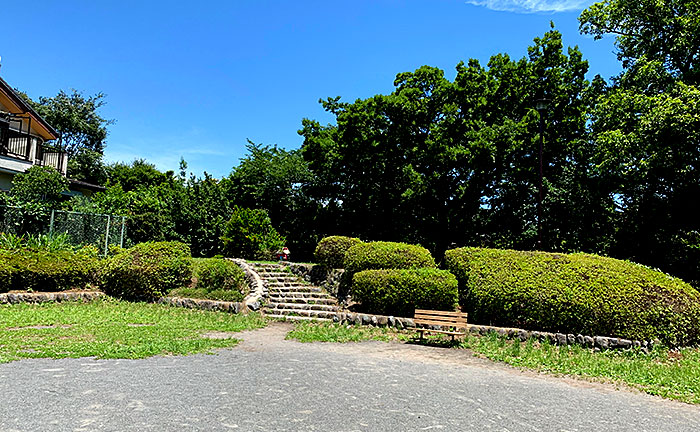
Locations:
{"points": [[14, 298], [596, 342], [258, 290], [375, 320]]}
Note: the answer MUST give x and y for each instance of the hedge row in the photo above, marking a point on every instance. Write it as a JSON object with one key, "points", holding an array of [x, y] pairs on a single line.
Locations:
{"points": [[42, 270], [330, 251], [387, 255], [576, 293], [398, 292]]}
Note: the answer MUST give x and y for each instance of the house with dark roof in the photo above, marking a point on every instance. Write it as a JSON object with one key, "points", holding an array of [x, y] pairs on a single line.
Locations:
{"points": [[24, 135]]}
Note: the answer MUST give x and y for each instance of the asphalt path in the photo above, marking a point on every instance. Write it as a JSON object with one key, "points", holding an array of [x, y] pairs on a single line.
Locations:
{"points": [[269, 384]]}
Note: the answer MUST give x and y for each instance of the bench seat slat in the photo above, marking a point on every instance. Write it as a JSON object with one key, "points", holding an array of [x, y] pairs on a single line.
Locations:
{"points": [[422, 330], [437, 318], [462, 323]]}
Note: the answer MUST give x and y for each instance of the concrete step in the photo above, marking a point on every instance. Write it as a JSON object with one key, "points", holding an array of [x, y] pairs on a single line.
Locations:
{"points": [[299, 288], [306, 306], [296, 318], [282, 281], [280, 276], [301, 294], [279, 299], [302, 313]]}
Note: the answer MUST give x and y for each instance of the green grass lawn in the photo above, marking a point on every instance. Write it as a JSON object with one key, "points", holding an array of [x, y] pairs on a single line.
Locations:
{"points": [[666, 373], [113, 329]]}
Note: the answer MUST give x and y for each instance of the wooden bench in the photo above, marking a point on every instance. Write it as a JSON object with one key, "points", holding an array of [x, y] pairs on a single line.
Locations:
{"points": [[446, 319]]}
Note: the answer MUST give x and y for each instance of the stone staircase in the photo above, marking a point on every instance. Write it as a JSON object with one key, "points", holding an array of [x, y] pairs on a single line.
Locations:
{"points": [[291, 298]]}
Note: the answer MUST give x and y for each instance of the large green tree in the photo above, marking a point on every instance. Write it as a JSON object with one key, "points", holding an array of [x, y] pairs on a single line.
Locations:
{"points": [[644, 130], [656, 39], [83, 130], [438, 161]]}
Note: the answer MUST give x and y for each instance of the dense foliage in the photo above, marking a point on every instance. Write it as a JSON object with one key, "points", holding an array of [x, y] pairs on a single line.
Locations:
{"points": [[47, 270], [276, 180], [147, 270], [250, 234], [83, 130], [400, 292], [438, 160], [39, 184], [386, 255], [330, 251], [575, 293]]}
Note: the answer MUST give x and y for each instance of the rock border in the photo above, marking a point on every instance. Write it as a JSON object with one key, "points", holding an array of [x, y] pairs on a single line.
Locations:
{"points": [[44, 297], [594, 342], [258, 289], [373, 320]]}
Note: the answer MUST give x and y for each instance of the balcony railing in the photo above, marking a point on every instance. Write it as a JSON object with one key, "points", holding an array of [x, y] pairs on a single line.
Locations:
{"points": [[54, 159], [26, 147]]}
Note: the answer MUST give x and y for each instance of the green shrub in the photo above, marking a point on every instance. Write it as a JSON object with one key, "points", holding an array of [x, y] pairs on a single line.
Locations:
{"points": [[216, 279], [249, 234], [399, 292], [386, 255], [48, 270], [218, 273], [6, 271], [330, 251], [39, 184], [147, 270], [575, 293]]}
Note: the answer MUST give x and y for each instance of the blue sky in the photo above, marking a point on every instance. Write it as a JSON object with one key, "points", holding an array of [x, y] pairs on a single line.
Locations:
{"points": [[196, 79]]}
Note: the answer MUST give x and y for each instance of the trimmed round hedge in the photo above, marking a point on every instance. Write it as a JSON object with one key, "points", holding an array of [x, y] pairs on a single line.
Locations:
{"points": [[148, 270], [218, 274], [575, 293], [42, 270], [330, 251], [387, 255], [398, 292]]}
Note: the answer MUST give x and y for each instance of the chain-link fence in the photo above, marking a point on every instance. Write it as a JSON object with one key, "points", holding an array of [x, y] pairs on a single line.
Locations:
{"points": [[99, 230]]}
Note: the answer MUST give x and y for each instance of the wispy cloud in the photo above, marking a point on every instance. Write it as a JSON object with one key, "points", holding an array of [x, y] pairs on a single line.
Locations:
{"points": [[532, 6]]}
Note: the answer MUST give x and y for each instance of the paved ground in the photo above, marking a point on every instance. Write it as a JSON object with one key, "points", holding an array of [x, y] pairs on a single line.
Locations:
{"points": [[268, 384]]}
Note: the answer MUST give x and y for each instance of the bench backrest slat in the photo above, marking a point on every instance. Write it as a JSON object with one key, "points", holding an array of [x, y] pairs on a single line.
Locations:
{"points": [[441, 318]]}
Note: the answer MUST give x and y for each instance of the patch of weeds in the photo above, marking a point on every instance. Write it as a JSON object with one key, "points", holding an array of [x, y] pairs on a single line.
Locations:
{"points": [[334, 332]]}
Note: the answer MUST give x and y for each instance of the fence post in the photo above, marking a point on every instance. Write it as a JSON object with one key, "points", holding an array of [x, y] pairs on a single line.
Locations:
{"points": [[121, 239], [109, 219], [51, 223]]}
